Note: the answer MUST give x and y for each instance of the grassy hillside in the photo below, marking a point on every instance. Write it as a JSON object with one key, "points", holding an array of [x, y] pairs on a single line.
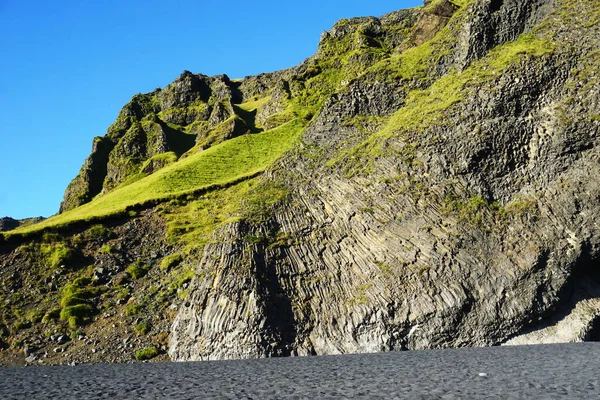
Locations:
{"points": [[227, 162]]}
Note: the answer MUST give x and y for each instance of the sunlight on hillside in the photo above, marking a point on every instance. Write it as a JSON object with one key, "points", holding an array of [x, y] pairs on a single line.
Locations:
{"points": [[227, 162]]}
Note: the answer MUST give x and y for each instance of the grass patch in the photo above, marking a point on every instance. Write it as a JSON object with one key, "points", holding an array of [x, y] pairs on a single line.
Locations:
{"points": [[158, 161], [52, 255], [142, 328], [51, 315], [146, 354], [77, 302], [132, 309], [34, 316], [97, 232], [77, 315], [258, 203], [183, 278], [521, 206], [252, 105], [194, 223], [427, 107], [413, 63], [470, 210], [18, 325], [78, 292], [122, 293], [170, 261], [137, 270], [56, 254]]}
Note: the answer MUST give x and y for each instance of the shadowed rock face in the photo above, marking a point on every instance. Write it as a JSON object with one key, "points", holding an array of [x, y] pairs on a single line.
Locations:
{"points": [[8, 223], [464, 229]]}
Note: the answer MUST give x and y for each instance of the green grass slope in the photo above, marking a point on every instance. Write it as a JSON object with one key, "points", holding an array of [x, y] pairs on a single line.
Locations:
{"points": [[225, 163]]}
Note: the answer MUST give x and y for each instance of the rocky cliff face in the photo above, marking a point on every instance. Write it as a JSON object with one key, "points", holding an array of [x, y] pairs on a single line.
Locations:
{"points": [[442, 194], [458, 214]]}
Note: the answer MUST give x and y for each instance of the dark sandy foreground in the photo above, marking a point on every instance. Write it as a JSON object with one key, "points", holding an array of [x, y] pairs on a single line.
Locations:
{"points": [[568, 371]]}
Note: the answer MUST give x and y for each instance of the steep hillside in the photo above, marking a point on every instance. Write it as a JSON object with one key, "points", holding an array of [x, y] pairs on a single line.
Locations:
{"points": [[426, 179]]}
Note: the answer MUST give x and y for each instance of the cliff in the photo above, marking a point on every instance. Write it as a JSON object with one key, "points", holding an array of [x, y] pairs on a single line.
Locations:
{"points": [[455, 208], [425, 180]]}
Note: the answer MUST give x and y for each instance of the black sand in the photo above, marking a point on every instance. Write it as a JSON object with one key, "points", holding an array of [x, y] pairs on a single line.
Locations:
{"points": [[568, 371]]}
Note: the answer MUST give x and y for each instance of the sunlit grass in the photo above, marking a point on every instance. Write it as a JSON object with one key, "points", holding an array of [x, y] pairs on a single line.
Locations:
{"points": [[254, 104], [225, 163]]}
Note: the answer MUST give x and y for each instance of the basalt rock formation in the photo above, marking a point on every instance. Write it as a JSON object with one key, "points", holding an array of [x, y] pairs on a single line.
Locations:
{"points": [[466, 217], [436, 187]]}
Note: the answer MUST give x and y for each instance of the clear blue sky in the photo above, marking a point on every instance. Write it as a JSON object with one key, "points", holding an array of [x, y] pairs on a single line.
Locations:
{"points": [[69, 66]]}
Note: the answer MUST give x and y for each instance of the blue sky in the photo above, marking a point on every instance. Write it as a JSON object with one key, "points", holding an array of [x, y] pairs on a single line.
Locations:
{"points": [[69, 66]]}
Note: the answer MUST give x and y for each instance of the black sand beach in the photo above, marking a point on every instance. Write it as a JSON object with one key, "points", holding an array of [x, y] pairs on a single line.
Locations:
{"points": [[566, 371]]}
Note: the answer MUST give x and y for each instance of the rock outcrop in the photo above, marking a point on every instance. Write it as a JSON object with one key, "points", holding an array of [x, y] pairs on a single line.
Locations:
{"points": [[8, 223], [155, 129]]}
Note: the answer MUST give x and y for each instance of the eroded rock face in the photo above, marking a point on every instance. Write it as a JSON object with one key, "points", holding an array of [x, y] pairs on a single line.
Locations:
{"points": [[464, 231]]}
